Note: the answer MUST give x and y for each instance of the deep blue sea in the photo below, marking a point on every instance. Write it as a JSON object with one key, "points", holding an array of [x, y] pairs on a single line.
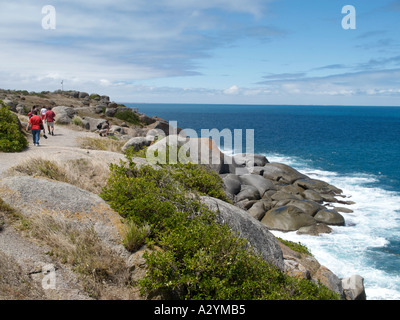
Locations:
{"points": [[354, 148]]}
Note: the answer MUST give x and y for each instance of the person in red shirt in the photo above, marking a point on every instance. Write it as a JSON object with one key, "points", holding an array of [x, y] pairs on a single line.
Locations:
{"points": [[35, 123], [49, 117]]}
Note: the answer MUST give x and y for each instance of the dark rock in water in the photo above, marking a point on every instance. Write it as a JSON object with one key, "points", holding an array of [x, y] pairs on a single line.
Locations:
{"points": [[330, 217], [318, 186], [287, 218], [354, 288], [344, 210], [315, 229]]}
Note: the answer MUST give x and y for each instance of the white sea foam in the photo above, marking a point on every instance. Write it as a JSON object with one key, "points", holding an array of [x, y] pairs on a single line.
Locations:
{"points": [[356, 248]]}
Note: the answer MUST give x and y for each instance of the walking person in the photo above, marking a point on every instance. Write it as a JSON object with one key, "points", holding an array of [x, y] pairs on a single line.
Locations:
{"points": [[43, 112], [49, 117], [35, 123]]}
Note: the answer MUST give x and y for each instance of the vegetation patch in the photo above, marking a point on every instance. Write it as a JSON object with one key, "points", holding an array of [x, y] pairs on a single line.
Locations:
{"points": [[88, 174], [128, 116], [11, 137], [198, 258], [298, 247]]}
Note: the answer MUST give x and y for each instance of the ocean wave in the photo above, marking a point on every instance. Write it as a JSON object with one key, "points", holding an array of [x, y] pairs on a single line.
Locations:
{"points": [[358, 247]]}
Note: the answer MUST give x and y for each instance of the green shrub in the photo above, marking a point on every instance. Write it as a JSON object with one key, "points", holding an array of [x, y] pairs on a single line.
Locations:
{"points": [[198, 258], [199, 178], [11, 138], [76, 120], [299, 247], [128, 116]]}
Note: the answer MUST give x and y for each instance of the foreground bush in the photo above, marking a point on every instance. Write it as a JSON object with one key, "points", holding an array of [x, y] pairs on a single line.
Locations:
{"points": [[199, 259], [11, 138]]}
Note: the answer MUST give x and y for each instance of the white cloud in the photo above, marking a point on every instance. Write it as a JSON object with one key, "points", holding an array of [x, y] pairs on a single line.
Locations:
{"points": [[232, 90]]}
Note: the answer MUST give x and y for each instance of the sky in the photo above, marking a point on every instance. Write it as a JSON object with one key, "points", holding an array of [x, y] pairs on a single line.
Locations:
{"points": [[208, 51]]}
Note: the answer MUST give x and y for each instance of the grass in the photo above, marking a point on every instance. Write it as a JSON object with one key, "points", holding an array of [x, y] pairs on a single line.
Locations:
{"points": [[298, 247], [104, 144], [135, 236], [15, 284], [101, 271], [87, 174]]}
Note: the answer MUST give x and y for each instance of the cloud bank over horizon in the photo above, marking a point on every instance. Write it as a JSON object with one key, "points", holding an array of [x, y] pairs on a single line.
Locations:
{"points": [[219, 51]]}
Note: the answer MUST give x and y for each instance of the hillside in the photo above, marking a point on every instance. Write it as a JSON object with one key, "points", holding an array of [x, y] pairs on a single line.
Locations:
{"points": [[53, 221]]}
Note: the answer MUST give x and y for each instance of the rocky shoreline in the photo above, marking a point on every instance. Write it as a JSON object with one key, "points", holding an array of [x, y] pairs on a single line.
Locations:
{"points": [[265, 196]]}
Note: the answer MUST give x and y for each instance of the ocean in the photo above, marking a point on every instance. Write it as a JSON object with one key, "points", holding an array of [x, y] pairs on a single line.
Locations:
{"points": [[354, 148]]}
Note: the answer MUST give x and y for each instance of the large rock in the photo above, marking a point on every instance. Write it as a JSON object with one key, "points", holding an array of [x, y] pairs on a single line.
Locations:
{"points": [[315, 229], [257, 210], [94, 122], [202, 151], [307, 206], [247, 192], [136, 143], [146, 119], [64, 114], [76, 207], [62, 118], [247, 160], [354, 288], [10, 104], [313, 196], [232, 183], [330, 217], [287, 218], [282, 173], [248, 228], [164, 126], [260, 183], [318, 186], [83, 95], [330, 280]]}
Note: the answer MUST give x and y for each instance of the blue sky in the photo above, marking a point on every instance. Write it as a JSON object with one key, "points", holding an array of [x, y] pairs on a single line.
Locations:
{"points": [[219, 51]]}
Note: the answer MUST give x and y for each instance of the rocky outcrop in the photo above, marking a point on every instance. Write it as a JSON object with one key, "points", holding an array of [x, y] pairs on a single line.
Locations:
{"points": [[64, 114], [290, 200], [354, 288], [78, 208]]}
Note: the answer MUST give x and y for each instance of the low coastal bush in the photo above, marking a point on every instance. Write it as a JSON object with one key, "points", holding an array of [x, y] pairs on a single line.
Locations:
{"points": [[128, 116], [299, 247], [11, 137], [197, 257]]}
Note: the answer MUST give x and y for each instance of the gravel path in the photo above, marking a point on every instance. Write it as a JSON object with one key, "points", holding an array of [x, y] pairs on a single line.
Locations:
{"points": [[30, 256]]}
